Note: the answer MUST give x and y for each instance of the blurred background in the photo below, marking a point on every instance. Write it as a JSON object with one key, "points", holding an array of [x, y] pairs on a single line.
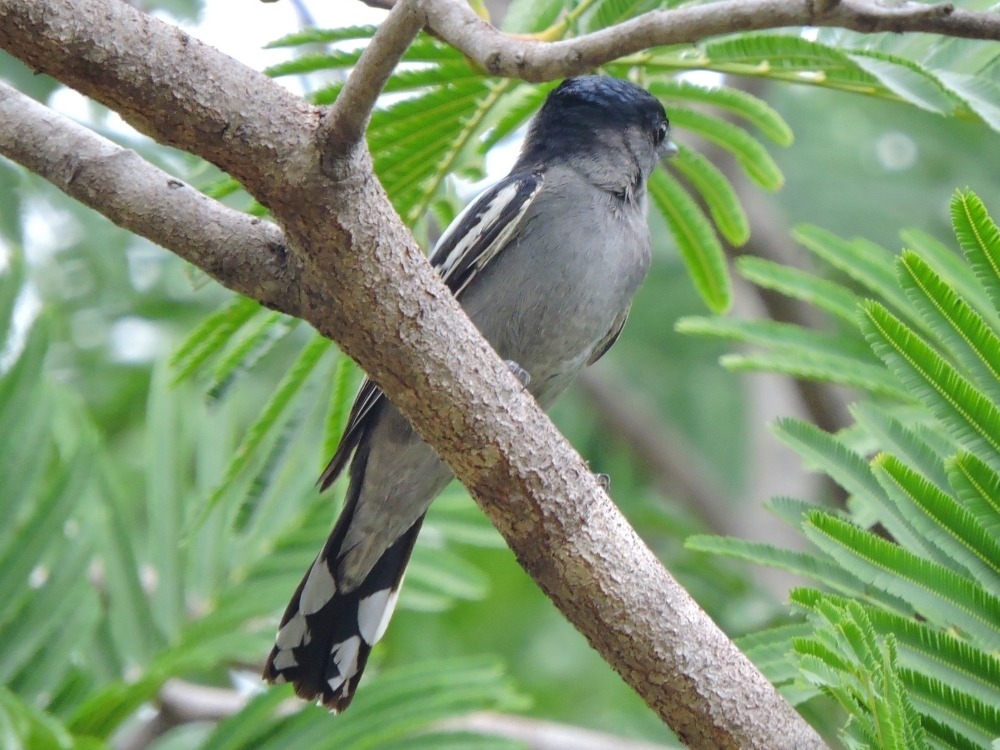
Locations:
{"points": [[685, 442]]}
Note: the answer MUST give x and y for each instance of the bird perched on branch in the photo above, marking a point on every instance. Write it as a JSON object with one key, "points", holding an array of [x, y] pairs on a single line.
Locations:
{"points": [[545, 263]]}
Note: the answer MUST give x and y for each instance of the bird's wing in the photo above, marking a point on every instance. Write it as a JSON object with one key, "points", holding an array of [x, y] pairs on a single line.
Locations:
{"points": [[610, 338], [472, 240]]}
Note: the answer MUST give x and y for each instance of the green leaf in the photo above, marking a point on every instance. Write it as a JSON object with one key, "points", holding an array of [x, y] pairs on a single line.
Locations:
{"points": [[419, 141], [289, 387], [41, 679], [46, 611], [770, 650], [793, 340], [11, 282], [822, 451], [436, 75], [834, 298], [211, 335], [978, 721], [809, 565], [971, 418], [699, 247], [345, 385], [922, 648], [822, 367], [131, 618], [526, 16], [910, 81], [252, 725], [242, 357], [979, 93], [223, 187], [62, 491], [966, 335], [397, 704], [717, 193], [895, 437], [332, 60], [867, 263], [26, 406], [755, 111], [750, 154], [978, 486], [939, 594], [24, 727], [526, 101], [940, 519], [789, 57], [948, 738], [444, 572], [610, 12], [980, 239], [950, 266], [423, 50], [165, 500]]}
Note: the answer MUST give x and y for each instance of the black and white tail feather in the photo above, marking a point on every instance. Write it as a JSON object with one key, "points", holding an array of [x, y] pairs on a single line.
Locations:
{"points": [[326, 634]]}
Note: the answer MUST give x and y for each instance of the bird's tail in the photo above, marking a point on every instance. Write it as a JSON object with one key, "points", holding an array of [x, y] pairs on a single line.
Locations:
{"points": [[326, 635]]}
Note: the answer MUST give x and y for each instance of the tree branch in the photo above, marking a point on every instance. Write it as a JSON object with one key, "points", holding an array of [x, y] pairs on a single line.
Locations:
{"points": [[244, 253], [345, 122], [502, 55], [361, 280], [182, 702]]}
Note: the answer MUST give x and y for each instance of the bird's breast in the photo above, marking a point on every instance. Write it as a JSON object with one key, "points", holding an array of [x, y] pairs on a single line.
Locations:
{"points": [[556, 290]]}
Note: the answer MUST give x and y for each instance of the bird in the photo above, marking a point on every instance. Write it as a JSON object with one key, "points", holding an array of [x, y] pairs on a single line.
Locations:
{"points": [[545, 263]]}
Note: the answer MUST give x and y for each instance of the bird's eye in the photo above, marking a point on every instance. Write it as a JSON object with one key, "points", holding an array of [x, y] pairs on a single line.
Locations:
{"points": [[660, 134]]}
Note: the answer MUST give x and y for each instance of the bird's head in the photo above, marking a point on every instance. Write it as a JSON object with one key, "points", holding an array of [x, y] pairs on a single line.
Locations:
{"points": [[600, 123]]}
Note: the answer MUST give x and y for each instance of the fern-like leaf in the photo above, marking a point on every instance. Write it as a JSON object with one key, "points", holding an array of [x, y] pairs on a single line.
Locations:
{"points": [[699, 247], [957, 325], [980, 239], [832, 297], [938, 593], [972, 419]]}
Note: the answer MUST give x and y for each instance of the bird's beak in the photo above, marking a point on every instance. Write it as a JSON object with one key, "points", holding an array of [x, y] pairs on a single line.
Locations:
{"points": [[669, 149]]}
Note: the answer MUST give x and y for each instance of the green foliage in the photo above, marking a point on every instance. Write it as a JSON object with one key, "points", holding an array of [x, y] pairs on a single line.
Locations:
{"points": [[401, 704], [697, 243], [905, 636]]}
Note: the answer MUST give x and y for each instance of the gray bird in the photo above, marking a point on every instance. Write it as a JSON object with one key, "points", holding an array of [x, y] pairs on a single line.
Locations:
{"points": [[545, 263]]}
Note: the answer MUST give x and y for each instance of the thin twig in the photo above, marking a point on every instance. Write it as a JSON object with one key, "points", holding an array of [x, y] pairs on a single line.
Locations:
{"points": [[503, 55], [345, 122]]}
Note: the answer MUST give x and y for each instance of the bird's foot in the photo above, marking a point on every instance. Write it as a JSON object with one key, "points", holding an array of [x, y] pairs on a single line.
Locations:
{"points": [[604, 480], [519, 372]]}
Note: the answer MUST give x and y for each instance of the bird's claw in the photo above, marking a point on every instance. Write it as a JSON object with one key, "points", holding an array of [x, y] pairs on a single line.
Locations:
{"points": [[519, 372], [604, 480]]}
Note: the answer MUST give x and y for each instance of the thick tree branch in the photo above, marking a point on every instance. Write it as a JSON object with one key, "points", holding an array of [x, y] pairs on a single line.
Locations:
{"points": [[502, 55], [243, 252], [362, 281]]}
